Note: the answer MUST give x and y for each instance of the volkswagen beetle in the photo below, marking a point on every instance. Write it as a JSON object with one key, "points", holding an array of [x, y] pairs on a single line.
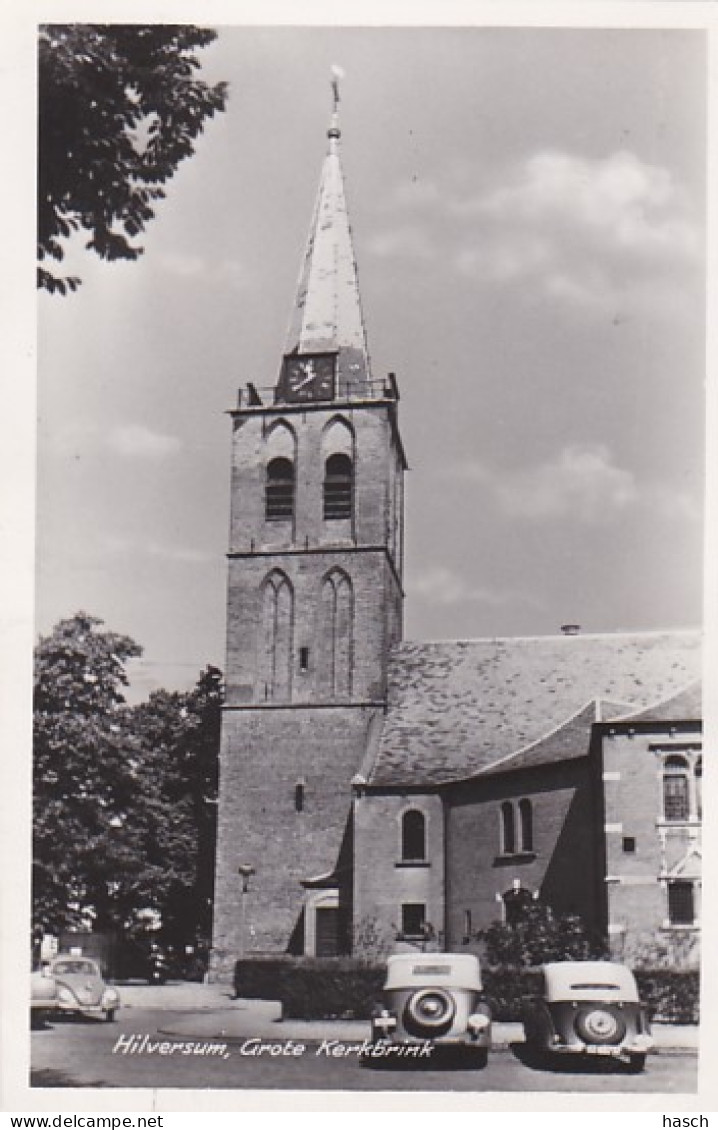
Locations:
{"points": [[43, 994], [436, 997], [81, 987], [589, 1008]]}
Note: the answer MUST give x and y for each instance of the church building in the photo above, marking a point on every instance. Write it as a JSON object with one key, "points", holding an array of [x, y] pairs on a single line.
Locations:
{"points": [[376, 792]]}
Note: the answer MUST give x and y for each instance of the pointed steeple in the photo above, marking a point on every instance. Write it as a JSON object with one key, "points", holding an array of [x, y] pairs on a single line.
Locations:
{"points": [[327, 315]]}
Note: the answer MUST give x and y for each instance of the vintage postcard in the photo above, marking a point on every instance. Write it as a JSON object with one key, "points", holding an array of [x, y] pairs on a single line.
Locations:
{"points": [[369, 603]]}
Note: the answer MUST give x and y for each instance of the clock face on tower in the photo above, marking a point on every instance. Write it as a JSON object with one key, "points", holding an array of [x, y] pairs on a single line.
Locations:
{"points": [[309, 377]]}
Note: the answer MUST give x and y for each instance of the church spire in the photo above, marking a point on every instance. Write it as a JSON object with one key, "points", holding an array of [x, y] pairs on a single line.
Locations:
{"points": [[327, 316]]}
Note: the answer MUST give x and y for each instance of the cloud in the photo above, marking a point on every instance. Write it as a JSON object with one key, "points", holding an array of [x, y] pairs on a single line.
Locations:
{"points": [[185, 265], [601, 234], [582, 481], [590, 233], [406, 242], [441, 585], [135, 441]]}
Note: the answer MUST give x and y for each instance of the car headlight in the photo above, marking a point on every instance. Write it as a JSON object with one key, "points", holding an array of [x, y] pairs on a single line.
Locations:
{"points": [[110, 996], [478, 1021], [66, 996]]}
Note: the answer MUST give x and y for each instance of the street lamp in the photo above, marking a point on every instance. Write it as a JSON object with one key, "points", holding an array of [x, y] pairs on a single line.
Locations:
{"points": [[245, 871]]}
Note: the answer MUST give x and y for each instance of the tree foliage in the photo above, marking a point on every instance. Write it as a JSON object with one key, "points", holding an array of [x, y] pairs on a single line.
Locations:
{"points": [[119, 108], [124, 797], [539, 934]]}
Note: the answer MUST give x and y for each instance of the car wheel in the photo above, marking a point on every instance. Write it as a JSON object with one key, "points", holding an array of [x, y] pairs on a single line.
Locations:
{"points": [[600, 1025], [636, 1063], [110, 1015], [429, 1012]]}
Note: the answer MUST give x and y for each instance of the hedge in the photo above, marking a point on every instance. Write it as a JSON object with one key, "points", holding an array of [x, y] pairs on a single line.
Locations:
{"points": [[326, 988]]}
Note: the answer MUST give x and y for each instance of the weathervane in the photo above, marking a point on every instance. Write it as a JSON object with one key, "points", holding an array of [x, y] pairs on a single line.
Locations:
{"points": [[337, 73]]}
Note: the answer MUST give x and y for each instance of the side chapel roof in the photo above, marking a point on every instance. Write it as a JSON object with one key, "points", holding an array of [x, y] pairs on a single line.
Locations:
{"points": [[455, 708]]}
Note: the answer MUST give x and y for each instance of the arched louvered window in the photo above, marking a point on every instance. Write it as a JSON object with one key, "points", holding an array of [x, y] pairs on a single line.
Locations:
{"points": [[508, 829], [526, 825], [413, 836], [279, 490], [338, 487], [275, 643], [676, 794]]}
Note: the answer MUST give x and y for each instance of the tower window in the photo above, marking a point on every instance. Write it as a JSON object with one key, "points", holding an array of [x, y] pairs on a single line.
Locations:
{"points": [[279, 496], [681, 904], [304, 659], [338, 487], [629, 844], [413, 836]]}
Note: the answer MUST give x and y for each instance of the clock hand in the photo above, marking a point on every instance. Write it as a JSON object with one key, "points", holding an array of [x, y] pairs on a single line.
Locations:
{"points": [[306, 381]]}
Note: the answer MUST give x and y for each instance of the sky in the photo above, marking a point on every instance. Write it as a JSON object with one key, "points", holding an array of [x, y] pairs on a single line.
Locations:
{"points": [[528, 215]]}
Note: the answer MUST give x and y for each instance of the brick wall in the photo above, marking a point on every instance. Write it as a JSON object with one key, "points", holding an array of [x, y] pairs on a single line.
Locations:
{"points": [[563, 867], [382, 881]]}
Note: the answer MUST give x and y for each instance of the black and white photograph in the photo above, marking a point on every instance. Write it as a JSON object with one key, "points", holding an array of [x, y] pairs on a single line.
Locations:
{"points": [[368, 634]]}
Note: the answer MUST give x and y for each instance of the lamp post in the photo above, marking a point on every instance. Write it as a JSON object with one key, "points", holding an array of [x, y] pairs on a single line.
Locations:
{"points": [[245, 871]]}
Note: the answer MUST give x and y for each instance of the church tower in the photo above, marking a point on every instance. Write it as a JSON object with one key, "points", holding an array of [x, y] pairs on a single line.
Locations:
{"points": [[314, 605]]}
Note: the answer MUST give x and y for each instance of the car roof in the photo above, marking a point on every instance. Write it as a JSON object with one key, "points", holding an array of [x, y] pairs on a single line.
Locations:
{"points": [[591, 980], [458, 970]]}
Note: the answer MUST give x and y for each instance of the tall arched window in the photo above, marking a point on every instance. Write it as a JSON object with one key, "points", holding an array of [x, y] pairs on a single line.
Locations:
{"points": [[676, 795], [508, 829], [338, 487], [275, 644], [413, 836], [279, 490], [336, 635], [526, 825], [698, 772]]}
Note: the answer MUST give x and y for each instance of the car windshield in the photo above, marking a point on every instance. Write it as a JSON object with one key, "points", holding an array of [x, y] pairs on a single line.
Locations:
{"points": [[66, 967]]}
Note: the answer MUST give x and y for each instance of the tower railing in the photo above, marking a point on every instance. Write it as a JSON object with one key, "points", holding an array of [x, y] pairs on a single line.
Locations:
{"points": [[346, 391]]}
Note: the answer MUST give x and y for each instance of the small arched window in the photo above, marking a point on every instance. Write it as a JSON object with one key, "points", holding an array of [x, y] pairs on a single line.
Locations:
{"points": [[413, 836], [279, 490], [698, 771], [338, 487], [508, 829], [676, 796], [526, 824]]}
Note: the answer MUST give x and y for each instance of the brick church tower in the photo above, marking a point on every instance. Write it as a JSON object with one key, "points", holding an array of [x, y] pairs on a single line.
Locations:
{"points": [[314, 605]]}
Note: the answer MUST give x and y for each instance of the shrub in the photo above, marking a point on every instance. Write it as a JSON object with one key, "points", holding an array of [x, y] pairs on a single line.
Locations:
{"points": [[312, 988], [539, 934], [672, 995]]}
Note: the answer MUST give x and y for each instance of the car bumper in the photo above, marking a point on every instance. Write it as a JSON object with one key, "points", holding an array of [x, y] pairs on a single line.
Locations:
{"points": [[640, 1045]]}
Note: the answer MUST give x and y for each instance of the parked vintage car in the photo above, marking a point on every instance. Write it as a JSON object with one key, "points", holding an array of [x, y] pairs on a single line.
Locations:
{"points": [[591, 1008], [43, 994], [81, 986], [436, 997]]}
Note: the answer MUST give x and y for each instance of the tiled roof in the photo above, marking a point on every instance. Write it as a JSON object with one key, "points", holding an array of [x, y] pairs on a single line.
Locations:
{"points": [[686, 705], [455, 708]]}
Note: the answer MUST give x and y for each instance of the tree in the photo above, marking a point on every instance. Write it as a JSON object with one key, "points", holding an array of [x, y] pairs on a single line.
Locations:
{"points": [[119, 108], [178, 775], [539, 934], [84, 856]]}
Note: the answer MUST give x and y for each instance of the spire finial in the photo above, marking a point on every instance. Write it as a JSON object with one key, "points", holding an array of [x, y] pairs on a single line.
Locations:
{"points": [[337, 73]]}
